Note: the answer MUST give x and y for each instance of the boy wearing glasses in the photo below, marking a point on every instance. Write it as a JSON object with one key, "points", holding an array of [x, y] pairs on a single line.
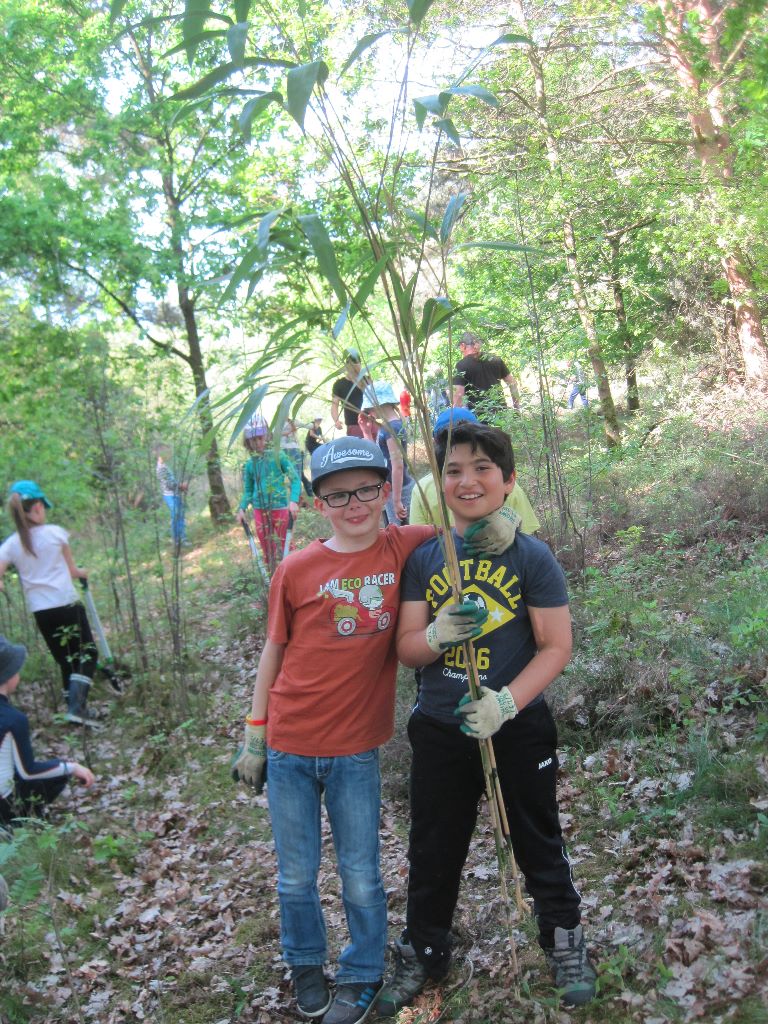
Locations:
{"points": [[323, 703]]}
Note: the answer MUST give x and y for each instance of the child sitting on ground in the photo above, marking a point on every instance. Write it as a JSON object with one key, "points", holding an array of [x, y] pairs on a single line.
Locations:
{"points": [[27, 786]]}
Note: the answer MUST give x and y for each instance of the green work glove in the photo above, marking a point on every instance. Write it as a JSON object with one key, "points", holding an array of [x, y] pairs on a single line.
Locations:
{"points": [[494, 534], [454, 624], [484, 717], [250, 764]]}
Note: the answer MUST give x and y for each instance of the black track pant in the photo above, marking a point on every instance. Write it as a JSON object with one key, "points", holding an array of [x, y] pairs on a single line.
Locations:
{"points": [[68, 635], [446, 787], [30, 797]]}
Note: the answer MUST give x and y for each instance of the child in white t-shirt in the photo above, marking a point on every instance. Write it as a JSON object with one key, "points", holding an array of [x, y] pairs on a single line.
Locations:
{"points": [[42, 557]]}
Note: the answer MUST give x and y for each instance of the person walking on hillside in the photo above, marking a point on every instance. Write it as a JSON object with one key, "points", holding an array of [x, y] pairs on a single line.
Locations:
{"points": [[264, 489], [347, 394], [478, 378], [27, 786], [173, 492], [289, 443], [42, 557], [577, 385], [390, 434]]}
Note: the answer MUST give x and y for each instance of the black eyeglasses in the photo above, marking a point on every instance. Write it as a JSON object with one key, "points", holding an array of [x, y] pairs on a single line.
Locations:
{"points": [[338, 499]]}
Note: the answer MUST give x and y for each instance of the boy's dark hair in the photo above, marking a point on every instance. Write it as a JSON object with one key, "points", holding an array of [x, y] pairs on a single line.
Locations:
{"points": [[491, 441]]}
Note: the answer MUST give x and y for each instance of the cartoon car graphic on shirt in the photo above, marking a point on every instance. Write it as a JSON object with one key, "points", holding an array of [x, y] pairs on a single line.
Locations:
{"points": [[365, 615]]}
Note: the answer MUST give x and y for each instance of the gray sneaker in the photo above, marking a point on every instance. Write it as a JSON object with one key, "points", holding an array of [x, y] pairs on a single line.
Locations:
{"points": [[569, 962], [313, 997], [409, 979]]}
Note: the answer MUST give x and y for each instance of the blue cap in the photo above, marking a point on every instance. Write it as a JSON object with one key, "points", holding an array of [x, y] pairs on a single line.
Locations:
{"points": [[450, 417], [379, 394], [28, 490]]}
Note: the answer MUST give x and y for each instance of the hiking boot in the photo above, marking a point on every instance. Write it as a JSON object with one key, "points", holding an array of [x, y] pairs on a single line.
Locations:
{"points": [[409, 979], [310, 986], [574, 975], [353, 1003], [77, 696]]}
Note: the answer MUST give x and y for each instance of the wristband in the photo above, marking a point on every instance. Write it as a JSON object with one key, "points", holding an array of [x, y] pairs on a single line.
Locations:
{"points": [[255, 721]]}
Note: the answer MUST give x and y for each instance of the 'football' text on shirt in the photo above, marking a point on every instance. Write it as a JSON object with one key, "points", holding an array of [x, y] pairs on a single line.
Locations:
{"points": [[503, 579]]}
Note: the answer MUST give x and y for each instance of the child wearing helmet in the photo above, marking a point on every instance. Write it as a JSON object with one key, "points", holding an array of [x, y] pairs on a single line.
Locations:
{"points": [[264, 489], [42, 557]]}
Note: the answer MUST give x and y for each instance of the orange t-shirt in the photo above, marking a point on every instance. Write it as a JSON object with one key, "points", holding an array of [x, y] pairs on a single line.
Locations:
{"points": [[336, 613]]}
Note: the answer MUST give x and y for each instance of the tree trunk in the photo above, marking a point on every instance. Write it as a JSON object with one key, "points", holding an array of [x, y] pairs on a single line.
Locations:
{"points": [[218, 503], [712, 144], [611, 427], [630, 367]]}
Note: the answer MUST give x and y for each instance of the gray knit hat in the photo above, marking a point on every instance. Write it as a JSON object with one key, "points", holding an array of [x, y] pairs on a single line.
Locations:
{"points": [[12, 657]]}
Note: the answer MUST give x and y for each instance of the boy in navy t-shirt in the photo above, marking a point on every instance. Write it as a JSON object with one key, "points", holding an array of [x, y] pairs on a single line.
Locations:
{"points": [[524, 644]]}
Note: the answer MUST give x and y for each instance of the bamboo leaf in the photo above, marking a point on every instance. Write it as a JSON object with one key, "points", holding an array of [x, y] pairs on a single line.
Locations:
{"points": [[300, 83], [242, 7], [423, 224], [255, 107], [452, 214], [246, 265], [224, 71], [417, 10], [338, 327], [319, 239], [505, 246], [357, 304], [237, 36], [201, 37], [435, 314], [446, 125], [265, 226], [195, 14], [404, 300], [360, 47], [475, 90], [512, 39]]}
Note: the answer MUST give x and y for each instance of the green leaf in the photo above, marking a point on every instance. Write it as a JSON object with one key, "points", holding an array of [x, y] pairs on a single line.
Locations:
{"points": [[505, 246], [417, 10], [237, 36], [452, 214], [404, 299], [357, 304], [446, 125], [300, 83], [360, 47], [320, 240], [195, 14], [265, 226], [222, 73], [475, 90], [436, 313], [252, 256], [116, 9], [435, 104], [242, 7], [423, 224], [512, 39], [201, 37], [255, 107]]}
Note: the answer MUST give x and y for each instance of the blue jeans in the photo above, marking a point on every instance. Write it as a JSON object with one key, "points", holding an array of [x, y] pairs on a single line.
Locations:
{"points": [[176, 508], [352, 788]]}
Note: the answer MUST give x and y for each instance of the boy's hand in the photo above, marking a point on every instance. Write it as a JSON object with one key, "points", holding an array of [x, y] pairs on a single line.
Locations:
{"points": [[484, 717], [250, 762], [454, 624], [494, 534]]}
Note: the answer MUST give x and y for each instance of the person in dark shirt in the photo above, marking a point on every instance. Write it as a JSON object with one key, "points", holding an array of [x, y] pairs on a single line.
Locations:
{"points": [[347, 394], [477, 380], [26, 785]]}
